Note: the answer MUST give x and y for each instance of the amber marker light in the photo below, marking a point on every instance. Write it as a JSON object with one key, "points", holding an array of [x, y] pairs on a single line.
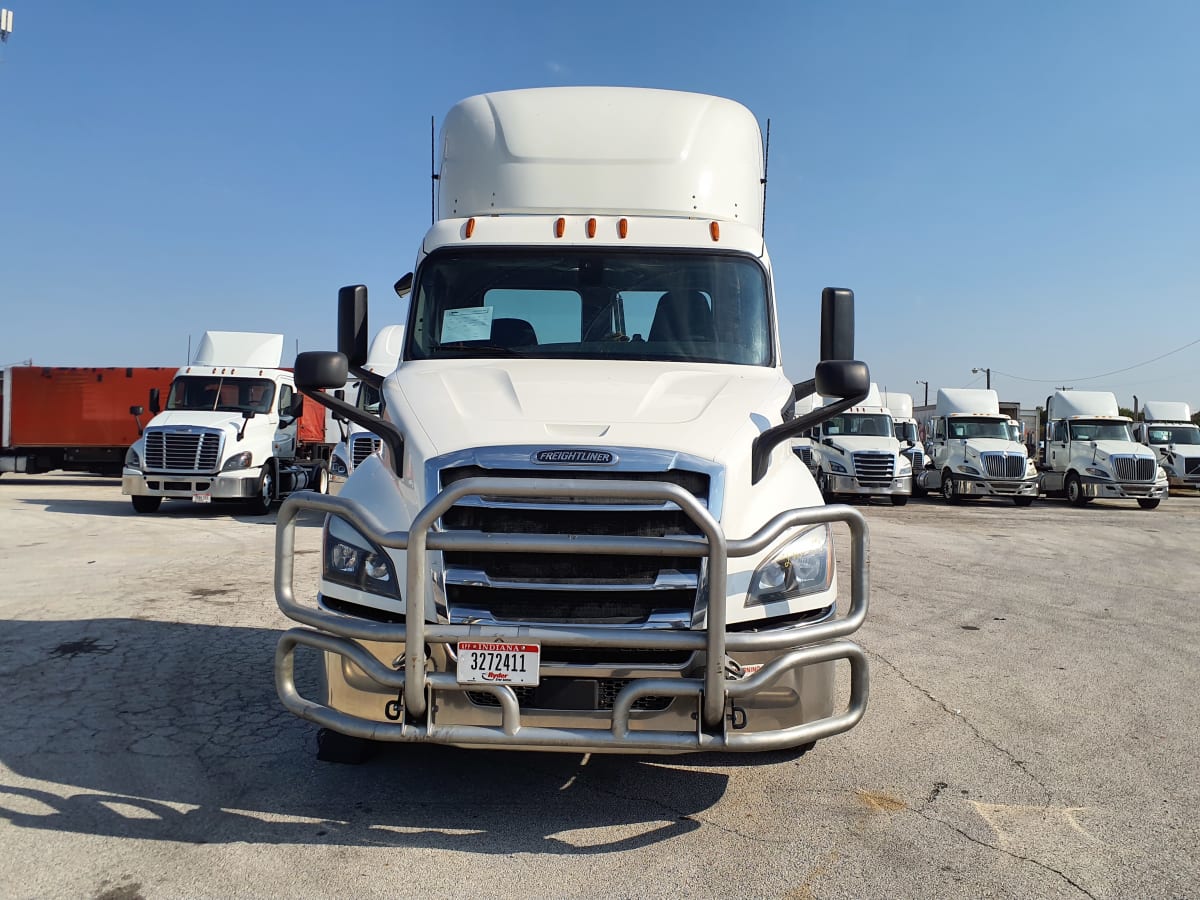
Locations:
{"points": [[715, 230], [560, 227], [470, 226], [591, 228], [623, 228]]}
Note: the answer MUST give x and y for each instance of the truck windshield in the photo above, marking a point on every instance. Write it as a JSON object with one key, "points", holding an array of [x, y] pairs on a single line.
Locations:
{"points": [[592, 304], [221, 393], [906, 431], [1174, 434], [1084, 430], [860, 424], [965, 428]]}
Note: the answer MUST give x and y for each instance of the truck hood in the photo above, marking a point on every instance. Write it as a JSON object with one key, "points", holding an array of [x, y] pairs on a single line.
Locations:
{"points": [[996, 445], [202, 419], [854, 443], [1124, 448], [697, 409], [1183, 451]]}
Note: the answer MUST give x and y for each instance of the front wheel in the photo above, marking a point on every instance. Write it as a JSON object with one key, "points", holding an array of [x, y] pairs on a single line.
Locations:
{"points": [[899, 499], [1074, 488], [321, 479], [949, 489], [1148, 502], [260, 504], [1023, 501], [146, 504]]}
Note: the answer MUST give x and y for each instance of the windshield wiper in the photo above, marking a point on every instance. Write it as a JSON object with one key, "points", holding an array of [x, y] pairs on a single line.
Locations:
{"points": [[479, 349]]}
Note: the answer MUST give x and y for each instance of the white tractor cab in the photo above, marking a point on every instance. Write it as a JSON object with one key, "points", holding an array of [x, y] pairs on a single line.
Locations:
{"points": [[858, 454], [906, 430], [1090, 452], [357, 443], [234, 428], [973, 451], [1168, 429], [803, 446], [587, 529]]}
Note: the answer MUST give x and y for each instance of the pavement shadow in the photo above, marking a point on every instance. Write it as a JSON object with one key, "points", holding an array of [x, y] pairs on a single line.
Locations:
{"points": [[170, 731], [121, 506]]}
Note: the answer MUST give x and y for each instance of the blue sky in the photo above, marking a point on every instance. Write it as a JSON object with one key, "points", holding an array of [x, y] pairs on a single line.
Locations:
{"points": [[1012, 186]]}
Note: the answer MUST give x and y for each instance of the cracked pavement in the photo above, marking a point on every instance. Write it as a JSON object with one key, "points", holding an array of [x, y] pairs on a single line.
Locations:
{"points": [[1030, 731]]}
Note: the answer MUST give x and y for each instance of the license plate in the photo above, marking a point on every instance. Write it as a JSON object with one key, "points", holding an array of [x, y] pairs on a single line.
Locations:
{"points": [[482, 662], [202, 498]]}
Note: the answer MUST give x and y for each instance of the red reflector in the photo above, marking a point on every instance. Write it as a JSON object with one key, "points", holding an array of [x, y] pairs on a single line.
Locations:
{"points": [[623, 228], [560, 227], [715, 230], [470, 227], [591, 228]]}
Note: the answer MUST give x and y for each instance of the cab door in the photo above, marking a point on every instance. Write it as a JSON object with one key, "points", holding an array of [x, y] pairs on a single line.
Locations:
{"points": [[287, 420]]}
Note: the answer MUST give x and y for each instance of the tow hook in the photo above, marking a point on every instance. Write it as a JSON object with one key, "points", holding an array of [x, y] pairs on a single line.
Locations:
{"points": [[737, 718], [394, 709]]}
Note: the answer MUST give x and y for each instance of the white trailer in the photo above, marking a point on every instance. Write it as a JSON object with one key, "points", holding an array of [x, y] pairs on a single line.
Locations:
{"points": [[587, 529], [233, 428], [858, 454], [974, 450], [1167, 428], [1090, 452]]}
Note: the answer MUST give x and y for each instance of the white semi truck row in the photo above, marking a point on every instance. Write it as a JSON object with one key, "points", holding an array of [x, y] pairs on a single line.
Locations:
{"points": [[1167, 429]]}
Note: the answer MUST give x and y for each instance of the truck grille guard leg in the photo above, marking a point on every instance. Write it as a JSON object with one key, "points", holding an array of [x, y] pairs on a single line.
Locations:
{"points": [[337, 633]]}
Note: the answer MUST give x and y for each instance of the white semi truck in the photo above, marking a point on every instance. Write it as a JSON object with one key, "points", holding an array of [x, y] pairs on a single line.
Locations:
{"points": [[587, 529], [234, 428], [900, 406], [1167, 428], [858, 454], [803, 446], [973, 450], [357, 443], [1090, 452]]}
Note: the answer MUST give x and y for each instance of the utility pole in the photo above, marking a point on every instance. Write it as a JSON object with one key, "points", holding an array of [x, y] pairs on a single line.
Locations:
{"points": [[989, 375], [926, 383]]}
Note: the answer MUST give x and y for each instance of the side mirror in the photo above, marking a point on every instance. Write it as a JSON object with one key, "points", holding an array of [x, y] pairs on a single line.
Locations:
{"points": [[297, 409], [842, 378], [136, 410], [317, 370], [340, 393], [155, 398], [403, 285], [837, 325], [352, 324]]}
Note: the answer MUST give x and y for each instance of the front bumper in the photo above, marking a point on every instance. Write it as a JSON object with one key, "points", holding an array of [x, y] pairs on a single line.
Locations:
{"points": [[240, 485], [1102, 488], [848, 484], [982, 487], [1183, 482], [394, 681]]}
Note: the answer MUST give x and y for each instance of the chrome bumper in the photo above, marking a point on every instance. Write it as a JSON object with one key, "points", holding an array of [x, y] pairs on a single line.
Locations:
{"points": [[240, 485], [712, 716], [984, 488], [1100, 488], [848, 484]]}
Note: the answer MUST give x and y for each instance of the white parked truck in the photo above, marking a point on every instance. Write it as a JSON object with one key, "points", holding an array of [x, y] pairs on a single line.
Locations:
{"points": [[858, 454], [803, 446], [1090, 452], [357, 442], [234, 428], [900, 406], [973, 451], [587, 529], [1167, 428]]}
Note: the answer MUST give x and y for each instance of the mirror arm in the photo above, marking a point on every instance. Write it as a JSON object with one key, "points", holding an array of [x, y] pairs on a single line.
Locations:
{"points": [[388, 433], [772, 437], [374, 379]]}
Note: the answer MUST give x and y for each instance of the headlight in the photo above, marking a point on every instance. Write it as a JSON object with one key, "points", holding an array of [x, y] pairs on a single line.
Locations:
{"points": [[337, 466], [1162, 474], [355, 562], [237, 461], [802, 566], [132, 460], [835, 466], [969, 470], [904, 467], [1099, 473], [1030, 468]]}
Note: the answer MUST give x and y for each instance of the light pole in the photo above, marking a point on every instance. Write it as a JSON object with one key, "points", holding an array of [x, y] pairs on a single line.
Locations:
{"points": [[989, 375], [926, 383]]}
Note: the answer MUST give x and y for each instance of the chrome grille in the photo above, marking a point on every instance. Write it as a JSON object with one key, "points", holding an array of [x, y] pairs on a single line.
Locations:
{"points": [[182, 451], [569, 588], [1134, 468], [806, 454], [917, 457], [874, 469], [1192, 466], [1003, 465], [362, 446]]}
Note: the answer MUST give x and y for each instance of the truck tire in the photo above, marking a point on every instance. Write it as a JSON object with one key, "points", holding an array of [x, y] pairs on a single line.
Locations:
{"points": [[321, 479], [146, 504], [1022, 501], [1148, 502], [899, 499], [949, 489], [260, 504], [1074, 490]]}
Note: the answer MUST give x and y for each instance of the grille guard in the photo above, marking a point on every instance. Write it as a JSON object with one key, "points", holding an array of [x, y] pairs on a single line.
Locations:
{"points": [[337, 633]]}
